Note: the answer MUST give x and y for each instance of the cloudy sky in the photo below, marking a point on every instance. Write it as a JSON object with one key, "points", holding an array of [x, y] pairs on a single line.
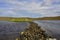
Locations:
{"points": [[29, 8]]}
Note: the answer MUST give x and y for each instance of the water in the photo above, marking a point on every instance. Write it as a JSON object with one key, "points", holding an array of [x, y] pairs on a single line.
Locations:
{"points": [[11, 30], [51, 26]]}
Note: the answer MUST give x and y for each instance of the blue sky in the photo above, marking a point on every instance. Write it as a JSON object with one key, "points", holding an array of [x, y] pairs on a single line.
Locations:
{"points": [[29, 8]]}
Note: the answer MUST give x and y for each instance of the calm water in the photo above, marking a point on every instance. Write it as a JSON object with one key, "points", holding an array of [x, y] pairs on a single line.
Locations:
{"points": [[51, 26], [11, 30]]}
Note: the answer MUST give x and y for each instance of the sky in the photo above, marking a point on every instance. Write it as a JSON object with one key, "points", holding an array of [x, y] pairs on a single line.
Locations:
{"points": [[29, 8]]}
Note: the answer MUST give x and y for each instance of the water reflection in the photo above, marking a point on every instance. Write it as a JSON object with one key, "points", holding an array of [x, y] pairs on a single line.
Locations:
{"points": [[11, 30], [51, 26]]}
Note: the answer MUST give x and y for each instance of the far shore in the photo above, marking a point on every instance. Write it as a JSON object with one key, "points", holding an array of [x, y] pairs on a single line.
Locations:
{"points": [[27, 19]]}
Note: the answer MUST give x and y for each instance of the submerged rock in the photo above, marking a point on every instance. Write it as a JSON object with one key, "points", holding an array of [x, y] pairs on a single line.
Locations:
{"points": [[34, 32]]}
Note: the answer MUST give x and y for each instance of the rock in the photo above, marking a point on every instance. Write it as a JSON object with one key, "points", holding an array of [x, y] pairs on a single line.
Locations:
{"points": [[33, 32]]}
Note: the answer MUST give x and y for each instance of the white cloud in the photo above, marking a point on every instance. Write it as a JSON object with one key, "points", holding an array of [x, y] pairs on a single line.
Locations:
{"points": [[45, 8]]}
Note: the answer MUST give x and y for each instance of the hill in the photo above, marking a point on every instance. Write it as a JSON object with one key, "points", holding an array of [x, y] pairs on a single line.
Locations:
{"points": [[49, 18], [28, 19]]}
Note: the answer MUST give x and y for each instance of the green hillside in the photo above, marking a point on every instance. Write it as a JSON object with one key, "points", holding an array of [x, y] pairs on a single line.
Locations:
{"points": [[28, 19]]}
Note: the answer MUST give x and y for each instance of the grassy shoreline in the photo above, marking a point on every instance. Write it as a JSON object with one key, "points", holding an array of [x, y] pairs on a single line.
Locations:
{"points": [[27, 19]]}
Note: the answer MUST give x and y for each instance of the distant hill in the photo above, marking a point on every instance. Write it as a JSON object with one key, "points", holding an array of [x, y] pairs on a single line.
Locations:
{"points": [[28, 19], [49, 18], [5, 18]]}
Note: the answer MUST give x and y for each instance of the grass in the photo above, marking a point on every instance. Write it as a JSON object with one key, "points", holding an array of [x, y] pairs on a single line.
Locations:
{"points": [[27, 19], [20, 20]]}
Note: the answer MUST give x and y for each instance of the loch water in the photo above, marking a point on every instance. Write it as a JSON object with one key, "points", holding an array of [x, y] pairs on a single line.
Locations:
{"points": [[11, 30]]}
